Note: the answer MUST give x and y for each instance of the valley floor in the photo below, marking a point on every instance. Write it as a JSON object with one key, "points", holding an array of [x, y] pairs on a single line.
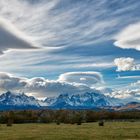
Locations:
{"points": [[86, 131]]}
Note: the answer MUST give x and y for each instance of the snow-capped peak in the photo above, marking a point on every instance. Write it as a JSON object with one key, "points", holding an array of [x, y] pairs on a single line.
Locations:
{"points": [[17, 99]]}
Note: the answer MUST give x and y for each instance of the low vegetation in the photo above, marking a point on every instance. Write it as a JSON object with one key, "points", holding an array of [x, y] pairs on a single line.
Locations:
{"points": [[69, 125], [86, 131]]}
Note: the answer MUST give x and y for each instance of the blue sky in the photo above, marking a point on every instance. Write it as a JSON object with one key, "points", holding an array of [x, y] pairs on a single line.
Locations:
{"points": [[50, 38]]}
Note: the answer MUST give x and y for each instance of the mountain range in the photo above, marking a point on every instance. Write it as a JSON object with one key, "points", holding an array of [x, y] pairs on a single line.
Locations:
{"points": [[87, 100]]}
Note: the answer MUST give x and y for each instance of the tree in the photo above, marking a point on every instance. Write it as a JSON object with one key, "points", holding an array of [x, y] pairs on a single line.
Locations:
{"points": [[10, 118]]}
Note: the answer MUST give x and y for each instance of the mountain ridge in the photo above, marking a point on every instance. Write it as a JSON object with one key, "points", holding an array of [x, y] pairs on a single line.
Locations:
{"points": [[86, 100]]}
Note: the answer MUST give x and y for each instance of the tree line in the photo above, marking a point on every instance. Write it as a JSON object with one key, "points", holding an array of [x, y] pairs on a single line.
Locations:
{"points": [[65, 116]]}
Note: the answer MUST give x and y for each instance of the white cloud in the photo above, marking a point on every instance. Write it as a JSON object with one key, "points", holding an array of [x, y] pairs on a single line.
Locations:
{"points": [[128, 77], [129, 38], [96, 65], [10, 82], [12, 38], [136, 84], [57, 23], [88, 78], [52, 24], [41, 87], [126, 64], [129, 95]]}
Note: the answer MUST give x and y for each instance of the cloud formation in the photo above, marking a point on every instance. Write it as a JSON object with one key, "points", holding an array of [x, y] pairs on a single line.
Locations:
{"points": [[41, 87], [126, 64], [12, 38], [129, 95], [88, 78], [57, 22], [128, 77], [129, 37], [10, 82], [136, 84], [79, 39]]}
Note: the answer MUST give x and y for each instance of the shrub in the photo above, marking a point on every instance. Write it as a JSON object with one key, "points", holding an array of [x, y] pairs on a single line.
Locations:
{"points": [[58, 122], [79, 123], [101, 123], [9, 122]]}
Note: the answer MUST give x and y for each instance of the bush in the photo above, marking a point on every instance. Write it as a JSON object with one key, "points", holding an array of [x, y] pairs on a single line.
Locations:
{"points": [[101, 123], [58, 122], [9, 122], [79, 123]]}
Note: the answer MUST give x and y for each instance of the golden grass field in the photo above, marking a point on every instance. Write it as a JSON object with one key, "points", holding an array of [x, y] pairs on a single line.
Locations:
{"points": [[86, 131]]}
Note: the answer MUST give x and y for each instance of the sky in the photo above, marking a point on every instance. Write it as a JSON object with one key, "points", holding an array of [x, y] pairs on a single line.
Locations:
{"points": [[48, 47]]}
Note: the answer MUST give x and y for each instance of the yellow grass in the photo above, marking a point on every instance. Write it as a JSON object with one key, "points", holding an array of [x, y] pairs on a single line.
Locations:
{"points": [[86, 131]]}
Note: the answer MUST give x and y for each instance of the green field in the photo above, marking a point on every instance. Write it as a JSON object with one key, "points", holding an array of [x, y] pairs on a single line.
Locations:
{"points": [[86, 131]]}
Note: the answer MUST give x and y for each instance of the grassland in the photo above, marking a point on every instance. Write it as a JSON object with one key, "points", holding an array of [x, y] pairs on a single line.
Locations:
{"points": [[86, 131]]}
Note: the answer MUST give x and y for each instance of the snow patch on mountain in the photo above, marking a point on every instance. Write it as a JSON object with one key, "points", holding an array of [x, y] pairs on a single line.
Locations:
{"points": [[14, 99], [83, 100]]}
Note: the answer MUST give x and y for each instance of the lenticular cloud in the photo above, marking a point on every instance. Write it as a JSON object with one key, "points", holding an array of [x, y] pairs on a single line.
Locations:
{"points": [[88, 78]]}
